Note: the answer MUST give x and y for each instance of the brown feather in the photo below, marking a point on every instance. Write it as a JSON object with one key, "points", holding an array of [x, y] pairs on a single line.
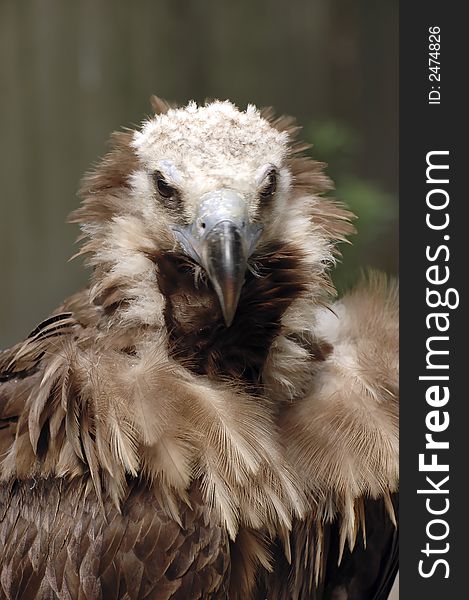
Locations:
{"points": [[77, 550], [160, 106]]}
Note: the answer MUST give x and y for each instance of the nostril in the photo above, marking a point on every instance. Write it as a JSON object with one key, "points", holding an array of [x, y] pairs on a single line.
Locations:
{"points": [[202, 224]]}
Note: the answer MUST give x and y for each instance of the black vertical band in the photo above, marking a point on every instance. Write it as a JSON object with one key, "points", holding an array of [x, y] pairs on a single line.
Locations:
{"points": [[434, 166]]}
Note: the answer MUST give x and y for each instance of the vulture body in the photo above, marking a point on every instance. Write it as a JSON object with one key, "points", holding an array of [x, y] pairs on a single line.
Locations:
{"points": [[204, 420]]}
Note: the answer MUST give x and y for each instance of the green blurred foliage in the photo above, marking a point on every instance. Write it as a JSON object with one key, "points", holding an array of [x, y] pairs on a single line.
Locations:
{"points": [[339, 146]]}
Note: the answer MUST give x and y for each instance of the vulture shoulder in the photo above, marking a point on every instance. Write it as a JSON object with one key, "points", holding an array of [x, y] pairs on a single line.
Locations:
{"points": [[23, 368], [341, 434]]}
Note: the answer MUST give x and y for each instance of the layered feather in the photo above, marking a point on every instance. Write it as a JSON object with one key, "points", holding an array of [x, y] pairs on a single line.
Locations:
{"points": [[101, 411], [343, 433]]}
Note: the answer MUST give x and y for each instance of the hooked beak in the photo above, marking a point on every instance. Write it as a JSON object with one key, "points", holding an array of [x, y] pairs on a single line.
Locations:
{"points": [[221, 239]]}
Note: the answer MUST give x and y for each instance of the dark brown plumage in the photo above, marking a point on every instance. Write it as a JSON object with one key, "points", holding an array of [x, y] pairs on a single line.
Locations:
{"points": [[195, 324], [203, 421], [102, 553]]}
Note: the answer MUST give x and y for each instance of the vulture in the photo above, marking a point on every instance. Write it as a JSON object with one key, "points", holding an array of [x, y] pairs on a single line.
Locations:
{"points": [[206, 419]]}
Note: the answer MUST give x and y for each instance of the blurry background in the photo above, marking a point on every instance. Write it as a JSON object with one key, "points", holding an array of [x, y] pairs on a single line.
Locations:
{"points": [[72, 72]]}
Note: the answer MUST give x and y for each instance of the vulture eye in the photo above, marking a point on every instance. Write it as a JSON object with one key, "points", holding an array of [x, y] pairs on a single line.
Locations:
{"points": [[164, 189], [270, 184]]}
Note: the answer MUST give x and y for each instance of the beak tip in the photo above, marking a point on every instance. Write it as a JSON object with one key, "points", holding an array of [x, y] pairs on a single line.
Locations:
{"points": [[228, 321], [229, 314]]}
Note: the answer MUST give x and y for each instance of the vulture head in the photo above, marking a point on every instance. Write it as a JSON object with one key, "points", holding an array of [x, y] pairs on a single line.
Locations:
{"points": [[225, 206], [216, 179]]}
